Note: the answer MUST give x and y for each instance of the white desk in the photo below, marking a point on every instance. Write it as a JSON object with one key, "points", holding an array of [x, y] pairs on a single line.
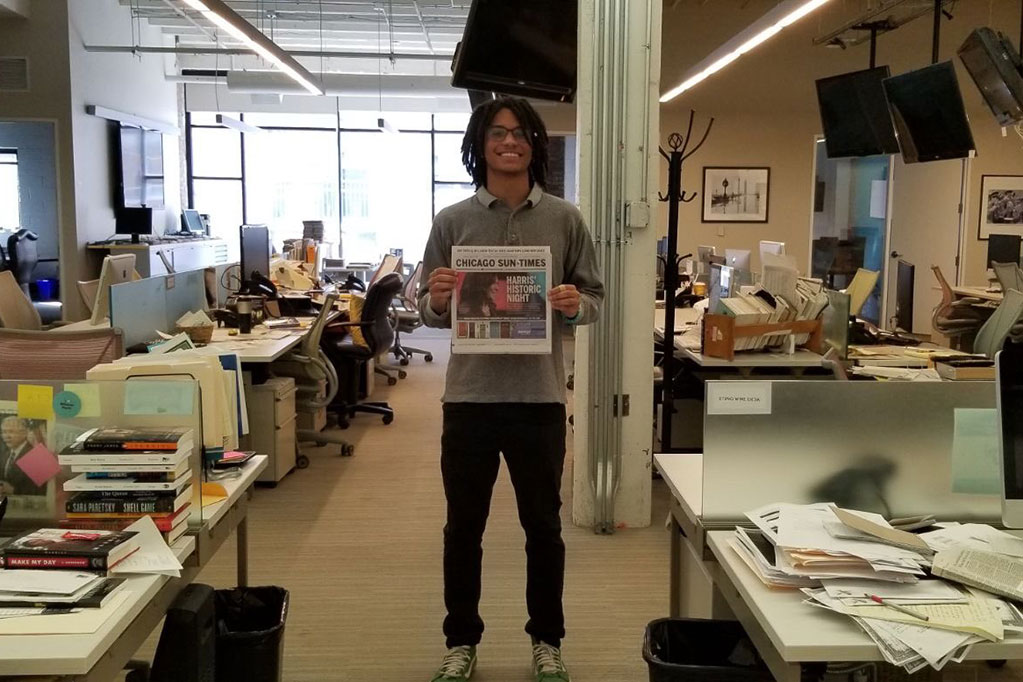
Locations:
{"points": [[801, 359], [99, 656], [977, 292], [789, 634], [684, 319]]}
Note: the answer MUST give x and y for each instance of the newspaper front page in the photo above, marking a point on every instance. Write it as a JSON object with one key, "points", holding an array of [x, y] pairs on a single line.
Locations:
{"points": [[500, 302]]}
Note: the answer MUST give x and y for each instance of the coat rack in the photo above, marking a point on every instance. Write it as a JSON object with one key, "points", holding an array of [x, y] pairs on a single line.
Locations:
{"points": [[680, 151]]}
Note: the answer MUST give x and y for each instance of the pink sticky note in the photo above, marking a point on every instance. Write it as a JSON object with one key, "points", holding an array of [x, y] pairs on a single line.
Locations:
{"points": [[39, 464]]}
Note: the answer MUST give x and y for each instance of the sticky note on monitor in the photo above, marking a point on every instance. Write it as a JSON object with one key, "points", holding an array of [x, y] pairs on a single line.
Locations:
{"points": [[39, 464]]}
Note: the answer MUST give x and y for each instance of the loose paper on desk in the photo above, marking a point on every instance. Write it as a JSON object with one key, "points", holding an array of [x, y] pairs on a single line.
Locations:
{"points": [[81, 622], [45, 582], [976, 462], [500, 303], [153, 555], [924, 591], [976, 616], [861, 521], [974, 536]]}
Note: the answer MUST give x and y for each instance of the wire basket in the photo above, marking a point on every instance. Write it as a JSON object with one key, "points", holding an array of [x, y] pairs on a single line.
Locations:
{"points": [[199, 335]]}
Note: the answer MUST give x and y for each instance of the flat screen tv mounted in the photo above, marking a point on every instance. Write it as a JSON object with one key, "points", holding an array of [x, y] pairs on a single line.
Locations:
{"points": [[929, 116], [995, 67], [138, 160], [854, 114], [519, 47]]}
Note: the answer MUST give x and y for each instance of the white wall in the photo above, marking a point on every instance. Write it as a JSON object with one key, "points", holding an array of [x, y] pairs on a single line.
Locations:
{"points": [[134, 85]]}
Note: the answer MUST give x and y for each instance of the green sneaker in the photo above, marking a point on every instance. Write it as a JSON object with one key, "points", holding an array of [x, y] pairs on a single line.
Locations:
{"points": [[547, 664], [457, 665]]}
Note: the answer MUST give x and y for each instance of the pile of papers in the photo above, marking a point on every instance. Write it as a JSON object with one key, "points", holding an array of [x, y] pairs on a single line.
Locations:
{"points": [[806, 300], [856, 564]]}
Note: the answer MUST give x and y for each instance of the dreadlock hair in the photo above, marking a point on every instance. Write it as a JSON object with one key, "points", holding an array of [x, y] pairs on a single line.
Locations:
{"points": [[474, 143]]}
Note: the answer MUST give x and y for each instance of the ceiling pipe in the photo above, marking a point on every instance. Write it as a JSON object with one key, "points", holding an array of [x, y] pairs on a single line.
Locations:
{"points": [[236, 51]]}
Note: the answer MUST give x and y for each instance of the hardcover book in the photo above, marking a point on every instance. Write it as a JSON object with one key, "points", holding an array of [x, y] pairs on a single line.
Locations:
{"points": [[59, 548]]}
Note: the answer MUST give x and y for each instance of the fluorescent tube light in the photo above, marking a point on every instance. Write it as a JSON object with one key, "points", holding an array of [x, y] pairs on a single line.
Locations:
{"points": [[240, 126], [771, 24], [226, 18]]}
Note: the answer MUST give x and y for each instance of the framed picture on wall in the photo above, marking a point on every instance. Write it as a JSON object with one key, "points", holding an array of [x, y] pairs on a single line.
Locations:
{"points": [[1001, 205], [735, 195]]}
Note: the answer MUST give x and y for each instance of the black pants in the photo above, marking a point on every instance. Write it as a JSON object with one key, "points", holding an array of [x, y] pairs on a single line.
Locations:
{"points": [[532, 438]]}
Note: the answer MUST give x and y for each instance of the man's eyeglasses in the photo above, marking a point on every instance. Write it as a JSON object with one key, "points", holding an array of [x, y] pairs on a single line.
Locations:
{"points": [[499, 133]]}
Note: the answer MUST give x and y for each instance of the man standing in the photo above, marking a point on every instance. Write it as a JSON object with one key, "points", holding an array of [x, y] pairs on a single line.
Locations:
{"points": [[510, 404]]}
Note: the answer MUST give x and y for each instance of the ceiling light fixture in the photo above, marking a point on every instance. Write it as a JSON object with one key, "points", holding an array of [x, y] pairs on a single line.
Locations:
{"points": [[226, 18], [771, 24], [240, 126]]}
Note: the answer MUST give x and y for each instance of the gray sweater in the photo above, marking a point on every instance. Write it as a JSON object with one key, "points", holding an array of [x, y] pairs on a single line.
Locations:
{"points": [[543, 220]]}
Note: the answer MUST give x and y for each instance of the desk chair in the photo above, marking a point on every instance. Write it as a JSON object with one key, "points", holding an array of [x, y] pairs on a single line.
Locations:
{"points": [[957, 320], [23, 253], [1009, 276], [389, 264], [350, 357], [57, 355], [859, 289], [309, 366], [16, 310], [992, 335], [407, 320]]}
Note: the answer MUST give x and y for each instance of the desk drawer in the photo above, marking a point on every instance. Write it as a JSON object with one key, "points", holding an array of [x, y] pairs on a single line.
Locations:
{"points": [[284, 406]]}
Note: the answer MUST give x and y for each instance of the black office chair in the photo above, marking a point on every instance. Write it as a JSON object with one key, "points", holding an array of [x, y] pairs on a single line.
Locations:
{"points": [[23, 253], [349, 357]]}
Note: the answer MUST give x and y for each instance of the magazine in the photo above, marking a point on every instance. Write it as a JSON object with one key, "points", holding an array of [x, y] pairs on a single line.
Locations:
{"points": [[500, 301]]}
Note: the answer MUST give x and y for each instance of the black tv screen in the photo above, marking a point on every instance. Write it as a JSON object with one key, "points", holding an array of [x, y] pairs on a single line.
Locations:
{"points": [[140, 167], [995, 67], [854, 114], [929, 116], [519, 47]]}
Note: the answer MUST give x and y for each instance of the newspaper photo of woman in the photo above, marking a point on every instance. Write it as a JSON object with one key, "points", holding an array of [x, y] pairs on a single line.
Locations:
{"points": [[477, 296]]}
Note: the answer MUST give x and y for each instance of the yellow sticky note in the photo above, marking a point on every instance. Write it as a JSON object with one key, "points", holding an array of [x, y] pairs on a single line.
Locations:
{"points": [[89, 395], [35, 402]]}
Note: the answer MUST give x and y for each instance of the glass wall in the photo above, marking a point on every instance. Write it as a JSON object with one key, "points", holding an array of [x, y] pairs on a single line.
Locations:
{"points": [[375, 191]]}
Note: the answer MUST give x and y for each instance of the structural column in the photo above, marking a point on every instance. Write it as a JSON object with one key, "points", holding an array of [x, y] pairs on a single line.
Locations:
{"points": [[618, 121]]}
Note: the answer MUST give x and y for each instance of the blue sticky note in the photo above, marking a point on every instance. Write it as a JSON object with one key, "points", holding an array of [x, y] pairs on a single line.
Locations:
{"points": [[67, 404], [159, 397]]}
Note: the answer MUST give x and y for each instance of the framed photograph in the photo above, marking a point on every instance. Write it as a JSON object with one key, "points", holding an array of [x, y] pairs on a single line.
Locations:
{"points": [[735, 195], [19, 465], [1001, 205]]}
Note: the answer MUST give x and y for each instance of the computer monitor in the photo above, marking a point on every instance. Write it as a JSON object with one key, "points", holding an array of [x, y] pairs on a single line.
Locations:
{"points": [[703, 254], [1003, 248], [135, 221], [740, 259], [905, 280], [1009, 399], [720, 287], [116, 270], [191, 222], [775, 248], [255, 251]]}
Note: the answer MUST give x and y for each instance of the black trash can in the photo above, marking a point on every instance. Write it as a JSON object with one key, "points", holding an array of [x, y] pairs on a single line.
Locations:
{"points": [[250, 633], [683, 649]]}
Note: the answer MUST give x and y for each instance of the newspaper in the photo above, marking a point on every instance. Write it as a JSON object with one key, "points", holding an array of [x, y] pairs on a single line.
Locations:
{"points": [[997, 573], [500, 303]]}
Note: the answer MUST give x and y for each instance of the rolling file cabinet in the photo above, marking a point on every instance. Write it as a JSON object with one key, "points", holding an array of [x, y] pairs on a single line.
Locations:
{"points": [[271, 407]]}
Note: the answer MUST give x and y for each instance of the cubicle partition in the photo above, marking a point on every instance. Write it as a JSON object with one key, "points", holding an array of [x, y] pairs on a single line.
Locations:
{"points": [[42, 418], [144, 307], [889, 447]]}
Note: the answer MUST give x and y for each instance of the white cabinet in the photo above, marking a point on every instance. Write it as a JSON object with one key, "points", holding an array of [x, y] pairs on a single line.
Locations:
{"points": [[159, 259]]}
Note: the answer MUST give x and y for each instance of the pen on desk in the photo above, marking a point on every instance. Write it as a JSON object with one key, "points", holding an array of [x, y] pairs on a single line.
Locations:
{"points": [[902, 609]]}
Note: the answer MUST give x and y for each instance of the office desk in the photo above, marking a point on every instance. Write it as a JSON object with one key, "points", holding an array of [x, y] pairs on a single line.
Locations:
{"points": [[684, 319], [790, 635], [100, 656], [977, 292]]}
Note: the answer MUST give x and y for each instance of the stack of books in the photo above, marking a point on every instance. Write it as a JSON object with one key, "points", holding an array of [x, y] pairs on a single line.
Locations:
{"points": [[127, 473], [807, 302], [62, 549]]}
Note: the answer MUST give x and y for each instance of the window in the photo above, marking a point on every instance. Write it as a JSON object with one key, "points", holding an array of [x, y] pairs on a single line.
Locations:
{"points": [[291, 176], [216, 178], [386, 194], [10, 212]]}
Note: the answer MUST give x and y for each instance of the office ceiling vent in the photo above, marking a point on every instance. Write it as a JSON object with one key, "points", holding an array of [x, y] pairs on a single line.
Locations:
{"points": [[13, 74]]}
